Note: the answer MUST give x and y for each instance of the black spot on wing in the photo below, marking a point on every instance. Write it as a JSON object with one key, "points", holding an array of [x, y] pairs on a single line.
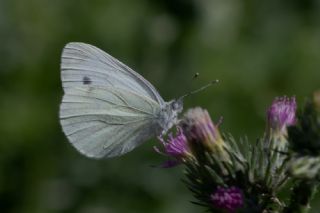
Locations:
{"points": [[86, 80]]}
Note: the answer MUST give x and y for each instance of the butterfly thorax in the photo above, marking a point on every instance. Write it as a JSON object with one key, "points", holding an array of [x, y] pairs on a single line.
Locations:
{"points": [[168, 115]]}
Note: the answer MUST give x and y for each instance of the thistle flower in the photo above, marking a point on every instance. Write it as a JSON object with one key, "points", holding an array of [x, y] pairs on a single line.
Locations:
{"points": [[199, 129], [175, 147], [281, 114], [229, 199]]}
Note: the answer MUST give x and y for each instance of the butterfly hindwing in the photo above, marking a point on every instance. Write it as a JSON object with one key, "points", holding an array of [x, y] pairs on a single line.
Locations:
{"points": [[106, 121]]}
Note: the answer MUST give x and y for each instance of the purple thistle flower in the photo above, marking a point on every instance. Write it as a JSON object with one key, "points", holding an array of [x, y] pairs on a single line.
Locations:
{"points": [[176, 147], [282, 114], [229, 199]]}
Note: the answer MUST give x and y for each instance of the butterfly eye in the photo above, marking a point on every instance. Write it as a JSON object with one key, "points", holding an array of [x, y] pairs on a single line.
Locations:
{"points": [[175, 105]]}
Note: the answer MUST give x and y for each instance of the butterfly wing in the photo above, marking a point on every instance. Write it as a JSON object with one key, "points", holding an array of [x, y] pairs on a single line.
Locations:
{"points": [[107, 109], [84, 64], [105, 121]]}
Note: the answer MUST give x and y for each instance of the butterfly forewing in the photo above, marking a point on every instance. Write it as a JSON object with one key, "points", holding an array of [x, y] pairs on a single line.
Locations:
{"points": [[84, 64], [107, 109]]}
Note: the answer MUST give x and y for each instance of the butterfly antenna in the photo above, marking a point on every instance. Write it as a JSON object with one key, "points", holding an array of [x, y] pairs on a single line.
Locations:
{"points": [[200, 89]]}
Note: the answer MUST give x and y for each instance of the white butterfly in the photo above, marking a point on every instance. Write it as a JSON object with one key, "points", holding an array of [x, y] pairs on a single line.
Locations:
{"points": [[107, 108]]}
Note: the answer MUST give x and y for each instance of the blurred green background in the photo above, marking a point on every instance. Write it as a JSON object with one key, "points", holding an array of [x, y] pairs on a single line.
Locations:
{"points": [[258, 50]]}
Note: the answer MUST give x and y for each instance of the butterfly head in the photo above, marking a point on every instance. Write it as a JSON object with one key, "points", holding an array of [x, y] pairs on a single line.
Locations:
{"points": [[169, 114]]}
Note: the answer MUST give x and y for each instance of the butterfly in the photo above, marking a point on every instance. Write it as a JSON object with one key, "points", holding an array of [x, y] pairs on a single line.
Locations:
{"points": [[107, 108]]}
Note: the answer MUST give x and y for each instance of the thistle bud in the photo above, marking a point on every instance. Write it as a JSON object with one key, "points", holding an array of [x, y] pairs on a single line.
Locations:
{"points": [[316, 100], [305, 167], [304, 137]]}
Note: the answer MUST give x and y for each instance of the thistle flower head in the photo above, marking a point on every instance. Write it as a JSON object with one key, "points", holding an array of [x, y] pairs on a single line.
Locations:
{"points": [[198, 126], [281, 114], [175, 147], [229, 199]]}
